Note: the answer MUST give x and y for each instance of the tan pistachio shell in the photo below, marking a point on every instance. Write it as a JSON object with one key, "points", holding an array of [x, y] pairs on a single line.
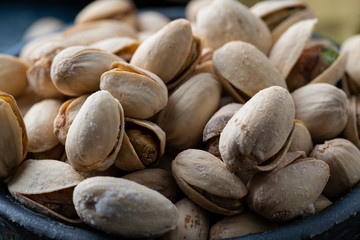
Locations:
{"points": [[13, 135], [301, 140], [157, 53], [127, 159], [321, 203], [261, 130], [351, 131], [193, 7], [39, 121], [124, 208], [185, 116], [323, 109], [229, 20], [12, 75], [27, 99], [95, 136], [41, 177], [77, 70], [288, 191], [43, 26], [141, 93], [207, 181], [352, 47], [151, 21], [343, 158], [237, 64]]}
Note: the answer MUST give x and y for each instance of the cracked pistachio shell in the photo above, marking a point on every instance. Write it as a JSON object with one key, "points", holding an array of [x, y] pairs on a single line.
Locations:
{"points": [[13, 135], [151, 21], [171, 53], [144, 148], [66, 115], [207, 181], [39, 121], [260, 132], [290, 190], [12, 75], [124, 208], [77, 70], [95, 136], [157, 179], [237, 64], [343, 158], [301, 140], [351, 131], [122, 10], [141, 93], [193, 222], [229, 20], [239, 225], [39, 184], [185, 116], [323, 109], [352, 47]]}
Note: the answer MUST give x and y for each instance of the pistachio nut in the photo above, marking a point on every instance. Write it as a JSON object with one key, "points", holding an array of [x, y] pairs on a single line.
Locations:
{"points": [[123, 207], [238, 63], [141, 93], [192, 223], [121, 10], [229, 20], [171, 53], [207, 181], [95, 136], [193, 7], [12, 75], [157, 179], [280, 15], [76, 70], [151, 21], [351, 83], [123, 47], [239, 225], [66, 115], [301, 140], [143, 145], [216, 124], [323, 109], [43, 26], [321, 203], [13, 135], [259, 134], [46, 186], [343, 158], [351, 131], [205, 63], [185, 116], [290, 190], [39, 121]]}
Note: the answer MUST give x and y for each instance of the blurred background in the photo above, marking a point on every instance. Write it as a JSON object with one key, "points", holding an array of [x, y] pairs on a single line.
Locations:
{"points": [[337, 19]]}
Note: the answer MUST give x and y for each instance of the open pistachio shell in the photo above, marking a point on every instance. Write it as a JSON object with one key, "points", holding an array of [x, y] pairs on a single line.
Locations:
{"points": [[351, 131], [143, 148], [95, 136], [352, 47], [244, 70], [141, 93], [124, 208], [207, 181], [229, 20], [12, 75], [13, 135], [46, 186], [301, 140]]}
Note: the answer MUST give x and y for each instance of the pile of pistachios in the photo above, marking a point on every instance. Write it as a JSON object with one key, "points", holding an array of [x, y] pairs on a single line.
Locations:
{"points": [[223, 124]]}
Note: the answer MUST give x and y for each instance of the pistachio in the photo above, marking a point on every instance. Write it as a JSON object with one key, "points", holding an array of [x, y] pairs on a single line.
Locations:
{"points": [[13, 135], [351, 131], [323, 109], [185, 116], [229, 20], [343, 158], [321, 203], [95, 136], [27, 99], [123, 207], [351, 83], [208, 182], [76, 70], [259, 134], [237, 64], [141, 93], [43, 26], [46, 186], [193, 7], [151, 21], [301, 140]]}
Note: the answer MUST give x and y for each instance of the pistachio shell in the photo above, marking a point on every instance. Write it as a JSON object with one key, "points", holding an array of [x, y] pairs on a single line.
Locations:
{"points": [[151, 21], [208, 182], [301, 140], [39, 121], [141, 93], [351, 131], [352, 47], [193, 7], [123, 207], [27, 99], [229, 20], [237, 64], [95, 136], [43, 26]]}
